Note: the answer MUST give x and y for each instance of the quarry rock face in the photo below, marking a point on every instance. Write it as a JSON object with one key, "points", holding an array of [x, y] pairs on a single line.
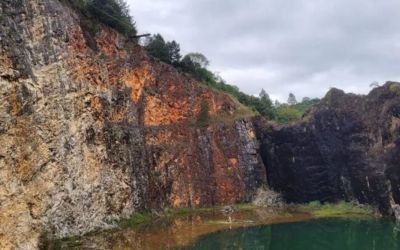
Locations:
{"points": [[93, 130], [346, 148]]}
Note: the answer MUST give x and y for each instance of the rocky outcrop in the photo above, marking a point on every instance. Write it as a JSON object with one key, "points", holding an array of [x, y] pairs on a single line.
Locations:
{"points": [[92, 129], [346, 148]]}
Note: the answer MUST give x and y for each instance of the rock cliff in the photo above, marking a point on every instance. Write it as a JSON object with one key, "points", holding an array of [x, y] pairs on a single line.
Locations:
{"points": [[92, 129], [346, 148]]}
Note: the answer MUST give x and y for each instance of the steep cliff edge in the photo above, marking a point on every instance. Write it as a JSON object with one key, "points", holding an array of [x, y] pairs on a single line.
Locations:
{"points": [[346, 148], [92, 130]]}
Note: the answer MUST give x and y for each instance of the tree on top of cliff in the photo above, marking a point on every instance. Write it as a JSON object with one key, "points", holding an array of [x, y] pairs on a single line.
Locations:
{"points": [[292, 99], [264, 105], [168, 52], [114, 13], [195, 64], [198, 59]]}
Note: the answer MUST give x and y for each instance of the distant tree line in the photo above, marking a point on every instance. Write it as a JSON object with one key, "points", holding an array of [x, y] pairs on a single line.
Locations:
{"points": [[196, 65]]}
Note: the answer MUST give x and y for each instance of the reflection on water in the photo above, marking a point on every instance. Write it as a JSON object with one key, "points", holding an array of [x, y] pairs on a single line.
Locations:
{"points": [[170, 233], [251, 229], [324, 234]]}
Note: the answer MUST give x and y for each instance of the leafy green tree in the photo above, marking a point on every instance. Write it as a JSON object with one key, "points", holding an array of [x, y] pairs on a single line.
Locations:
{"points": [[198, 59], [264, 105], [187, 65], [168, 52], [196, 64], [263, 95], [114, 13], [174, 51], [292, 99], [157, 47]]}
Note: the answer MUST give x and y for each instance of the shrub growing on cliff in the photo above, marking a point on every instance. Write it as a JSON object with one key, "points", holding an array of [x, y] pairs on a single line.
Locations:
{"points": [[395, 88], [264, 105], [114, 13]]}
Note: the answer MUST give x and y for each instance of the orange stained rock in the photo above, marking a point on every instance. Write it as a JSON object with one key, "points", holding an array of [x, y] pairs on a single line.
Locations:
{"points": [[158, 112], [176, 201], [107, 41], [77, 42], [160, 138], [233, 161], [136, 80], [229, 187]]}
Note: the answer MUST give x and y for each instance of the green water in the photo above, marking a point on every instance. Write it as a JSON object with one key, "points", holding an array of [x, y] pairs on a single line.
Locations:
{"points": [[326, 234]]}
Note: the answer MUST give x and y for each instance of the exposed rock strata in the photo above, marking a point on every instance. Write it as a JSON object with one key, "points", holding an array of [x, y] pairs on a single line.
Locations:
{"points": [[346, 148], [92, 130]]}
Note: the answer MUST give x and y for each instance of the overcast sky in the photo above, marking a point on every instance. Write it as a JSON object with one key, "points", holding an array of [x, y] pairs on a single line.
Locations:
{"points": [[283, 46]]}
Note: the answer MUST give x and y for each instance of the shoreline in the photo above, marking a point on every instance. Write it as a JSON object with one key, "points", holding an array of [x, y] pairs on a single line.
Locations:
{"points": [[174, 228]]}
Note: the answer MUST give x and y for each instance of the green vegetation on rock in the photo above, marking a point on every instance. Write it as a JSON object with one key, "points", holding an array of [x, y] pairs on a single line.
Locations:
{"points": [[168, 52], [340, 209], [290, 113], [204, 116], [195, 64], [113, 13], [395, 88], [136, 219]]}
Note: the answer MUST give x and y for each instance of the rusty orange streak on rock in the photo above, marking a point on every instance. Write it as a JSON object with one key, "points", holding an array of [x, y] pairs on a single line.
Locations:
{"points": [[136, 80]]}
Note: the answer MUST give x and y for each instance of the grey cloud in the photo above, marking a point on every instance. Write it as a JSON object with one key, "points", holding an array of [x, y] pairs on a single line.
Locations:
{"points": [[304, 46]]}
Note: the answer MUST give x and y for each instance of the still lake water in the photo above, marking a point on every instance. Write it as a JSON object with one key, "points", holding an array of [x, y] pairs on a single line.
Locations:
{"points": [[323, 234]]}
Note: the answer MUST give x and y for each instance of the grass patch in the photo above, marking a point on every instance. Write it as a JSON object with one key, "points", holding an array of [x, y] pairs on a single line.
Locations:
{"points": [[172, 212], [340, 209], [226, 118], [241, 111], [140, 219], [395, 88], [136, 220], [246, 206]]}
